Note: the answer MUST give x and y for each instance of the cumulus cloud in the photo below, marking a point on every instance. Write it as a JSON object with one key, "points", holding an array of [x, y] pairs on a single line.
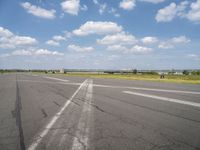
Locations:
{"points": [[136, 49], [55, 41], [149, 40], [140, 50], [119, 38], [71, 6], [181, 10], [117, 47], [52, 43], [153, 1], [37, 52], [127, 4], [38, 11], [166, 14], [171, 43], [194, 13], [91, 27], [77, 48], [8, 40], [180, 39], [58, 38], [5, 32], [165, 45]]}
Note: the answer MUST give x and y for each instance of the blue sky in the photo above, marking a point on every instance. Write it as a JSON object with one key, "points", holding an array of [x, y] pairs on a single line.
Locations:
{"points": [[100, 34]]}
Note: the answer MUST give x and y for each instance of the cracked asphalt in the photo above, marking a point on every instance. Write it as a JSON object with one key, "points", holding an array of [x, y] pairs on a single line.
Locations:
{"points": [[38, 113]]}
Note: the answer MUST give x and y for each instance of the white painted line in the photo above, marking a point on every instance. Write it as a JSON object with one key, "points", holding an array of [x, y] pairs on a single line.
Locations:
{"points": [[148, 89], [128, 87], [34, 75], [81, 139], [67, 83], [56, 79], [42, 134], [164, 98]]}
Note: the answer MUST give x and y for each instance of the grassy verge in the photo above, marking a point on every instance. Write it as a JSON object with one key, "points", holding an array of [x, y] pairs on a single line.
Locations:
{"points": [[190, 79]]}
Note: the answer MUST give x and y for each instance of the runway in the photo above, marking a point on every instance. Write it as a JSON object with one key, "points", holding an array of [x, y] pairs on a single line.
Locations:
{"points": [[55, 112]]}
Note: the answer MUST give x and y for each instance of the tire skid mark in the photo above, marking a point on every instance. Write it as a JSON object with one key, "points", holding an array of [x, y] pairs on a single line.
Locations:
{"points": [[17, 115], [81, 139]]}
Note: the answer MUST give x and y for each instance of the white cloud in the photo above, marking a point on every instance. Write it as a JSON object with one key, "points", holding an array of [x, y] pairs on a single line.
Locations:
{"points": [[58, 38], [102, 8], [4, 55], [171, 43], [71, 6], [55, 41], [127, 4], [91, 27], [119, 38], [153, 1], [117, 47], [113, 57], [173, 10], [114, 12], [38, 11], [37, 52], [22, 53], [23, 40], [95, 2], [77, 48], [166, 14], [194, 13], [84, 8], [181, 9], [140, 50], [165, 45], [52, 43], [149, 40], [193, 56], [136, 49], [9, 40], [5, 32], [180, 39]]}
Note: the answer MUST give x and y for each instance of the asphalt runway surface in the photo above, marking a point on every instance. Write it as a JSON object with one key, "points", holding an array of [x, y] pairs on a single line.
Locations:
{"points": [[39, 112]]}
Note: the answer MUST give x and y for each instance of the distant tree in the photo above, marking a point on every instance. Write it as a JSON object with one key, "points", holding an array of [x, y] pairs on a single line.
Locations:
{"points": [[150, 73], [195, 72], [186, 72], [134, 71]]}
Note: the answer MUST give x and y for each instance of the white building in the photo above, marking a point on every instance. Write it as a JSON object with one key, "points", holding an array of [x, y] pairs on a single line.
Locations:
{"points": [[62, 70]]}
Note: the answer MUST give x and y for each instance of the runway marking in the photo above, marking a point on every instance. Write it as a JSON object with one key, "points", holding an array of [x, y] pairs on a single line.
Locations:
{"points": [[55, 79], [67, 83], [123, 87], [42, 134], [81, 139], [34, 75], [148, 89], [164, 98]]}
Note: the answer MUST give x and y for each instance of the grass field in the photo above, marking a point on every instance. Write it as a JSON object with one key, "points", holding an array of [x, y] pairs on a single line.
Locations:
{"points": [[192, 79]]}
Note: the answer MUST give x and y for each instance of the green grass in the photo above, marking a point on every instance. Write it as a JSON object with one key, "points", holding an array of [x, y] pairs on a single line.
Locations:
{"points": [[191, 79]]}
